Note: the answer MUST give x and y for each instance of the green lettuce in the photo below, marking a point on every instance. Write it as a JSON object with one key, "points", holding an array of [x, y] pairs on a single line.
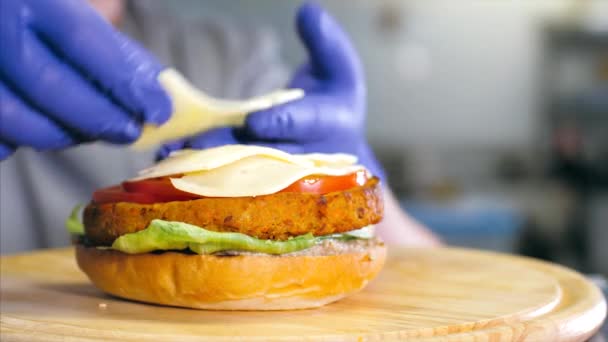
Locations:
{"points": [[167, 235], [73, 223]]}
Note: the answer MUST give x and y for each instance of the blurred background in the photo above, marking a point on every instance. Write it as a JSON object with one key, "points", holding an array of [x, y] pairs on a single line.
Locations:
{"points": [[491, 117]]}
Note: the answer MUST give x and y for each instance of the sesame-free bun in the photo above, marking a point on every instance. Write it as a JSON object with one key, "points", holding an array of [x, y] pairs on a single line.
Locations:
{"points": [[242, 282]]}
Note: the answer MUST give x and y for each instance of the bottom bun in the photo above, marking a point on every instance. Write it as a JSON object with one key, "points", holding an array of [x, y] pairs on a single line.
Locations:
{"points": [[242, 282]]}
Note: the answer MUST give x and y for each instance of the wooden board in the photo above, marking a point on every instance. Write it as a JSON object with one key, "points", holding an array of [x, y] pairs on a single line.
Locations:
{"points": [[421, 295]]}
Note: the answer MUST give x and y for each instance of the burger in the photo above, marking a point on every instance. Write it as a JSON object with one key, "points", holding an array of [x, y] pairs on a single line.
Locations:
{"points": [[235, 227]]}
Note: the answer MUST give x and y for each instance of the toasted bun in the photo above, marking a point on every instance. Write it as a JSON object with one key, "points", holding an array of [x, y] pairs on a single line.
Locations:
{"points": [[244, 282]]}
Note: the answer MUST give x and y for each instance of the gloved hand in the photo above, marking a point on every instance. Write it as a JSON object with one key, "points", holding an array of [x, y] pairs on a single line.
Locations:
{"points": [[66, 77], [331, 116]]}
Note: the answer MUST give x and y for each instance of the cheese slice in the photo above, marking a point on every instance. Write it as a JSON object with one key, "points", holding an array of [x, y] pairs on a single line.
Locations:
{"points": [[245, 170], [188, 161], [334, 159], [253, 176], [195, 111]]}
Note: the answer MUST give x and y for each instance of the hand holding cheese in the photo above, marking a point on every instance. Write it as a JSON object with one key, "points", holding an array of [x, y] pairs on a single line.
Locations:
{"points": [[68, 77], [329, 118]]}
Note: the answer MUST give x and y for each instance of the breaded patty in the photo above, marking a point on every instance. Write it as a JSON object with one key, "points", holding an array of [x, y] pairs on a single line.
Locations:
{"points": [[277, 216]]}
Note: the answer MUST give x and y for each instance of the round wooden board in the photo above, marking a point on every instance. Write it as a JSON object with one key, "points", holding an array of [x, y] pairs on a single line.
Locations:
{"points": [[421, 295]]}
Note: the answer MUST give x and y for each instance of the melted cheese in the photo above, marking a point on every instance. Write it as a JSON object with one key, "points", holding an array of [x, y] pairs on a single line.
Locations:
{"points": [[245, 170]]}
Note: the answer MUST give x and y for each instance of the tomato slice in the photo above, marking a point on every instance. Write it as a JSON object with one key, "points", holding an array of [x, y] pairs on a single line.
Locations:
{"points": [[117, 194], [156, 186], [316, 184], [143, 192], [160, 190]]}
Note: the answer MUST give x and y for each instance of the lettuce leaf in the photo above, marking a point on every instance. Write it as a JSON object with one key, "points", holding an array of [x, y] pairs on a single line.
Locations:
{"points": [[73, 223], [168, 235]]}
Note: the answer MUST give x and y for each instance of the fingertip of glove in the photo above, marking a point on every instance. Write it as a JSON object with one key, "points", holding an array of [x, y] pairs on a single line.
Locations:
{"points": [[314, 23], [256, 122], [309, 10], [161, 154], [307, 18], [165, 150], [55, 141], [265, 124], [5, 151], [155, 103], [130, 132], [160, 108]]}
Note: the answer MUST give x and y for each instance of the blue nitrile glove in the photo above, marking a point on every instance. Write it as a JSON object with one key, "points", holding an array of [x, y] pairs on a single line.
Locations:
{"points": [[331, 116], [67, 76]]}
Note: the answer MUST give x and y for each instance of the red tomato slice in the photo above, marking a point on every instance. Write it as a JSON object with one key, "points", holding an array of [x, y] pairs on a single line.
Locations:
{"points": [[326, 184], [159, 190], [117, 193], [156, 186]]}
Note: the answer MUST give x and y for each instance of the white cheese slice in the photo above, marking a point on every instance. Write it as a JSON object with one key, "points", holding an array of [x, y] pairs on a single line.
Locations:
{"points": [[253, 176], [334, 159], [188, 161], [195, 111]]}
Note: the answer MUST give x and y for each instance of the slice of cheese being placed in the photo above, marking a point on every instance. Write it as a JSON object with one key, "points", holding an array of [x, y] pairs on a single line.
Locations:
{"points": [[188, 161], [195, 112], [335, 159], [253, 176]]}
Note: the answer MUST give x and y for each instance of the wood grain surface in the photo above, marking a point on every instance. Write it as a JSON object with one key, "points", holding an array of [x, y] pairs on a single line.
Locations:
{"points": [[421, 295]]}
